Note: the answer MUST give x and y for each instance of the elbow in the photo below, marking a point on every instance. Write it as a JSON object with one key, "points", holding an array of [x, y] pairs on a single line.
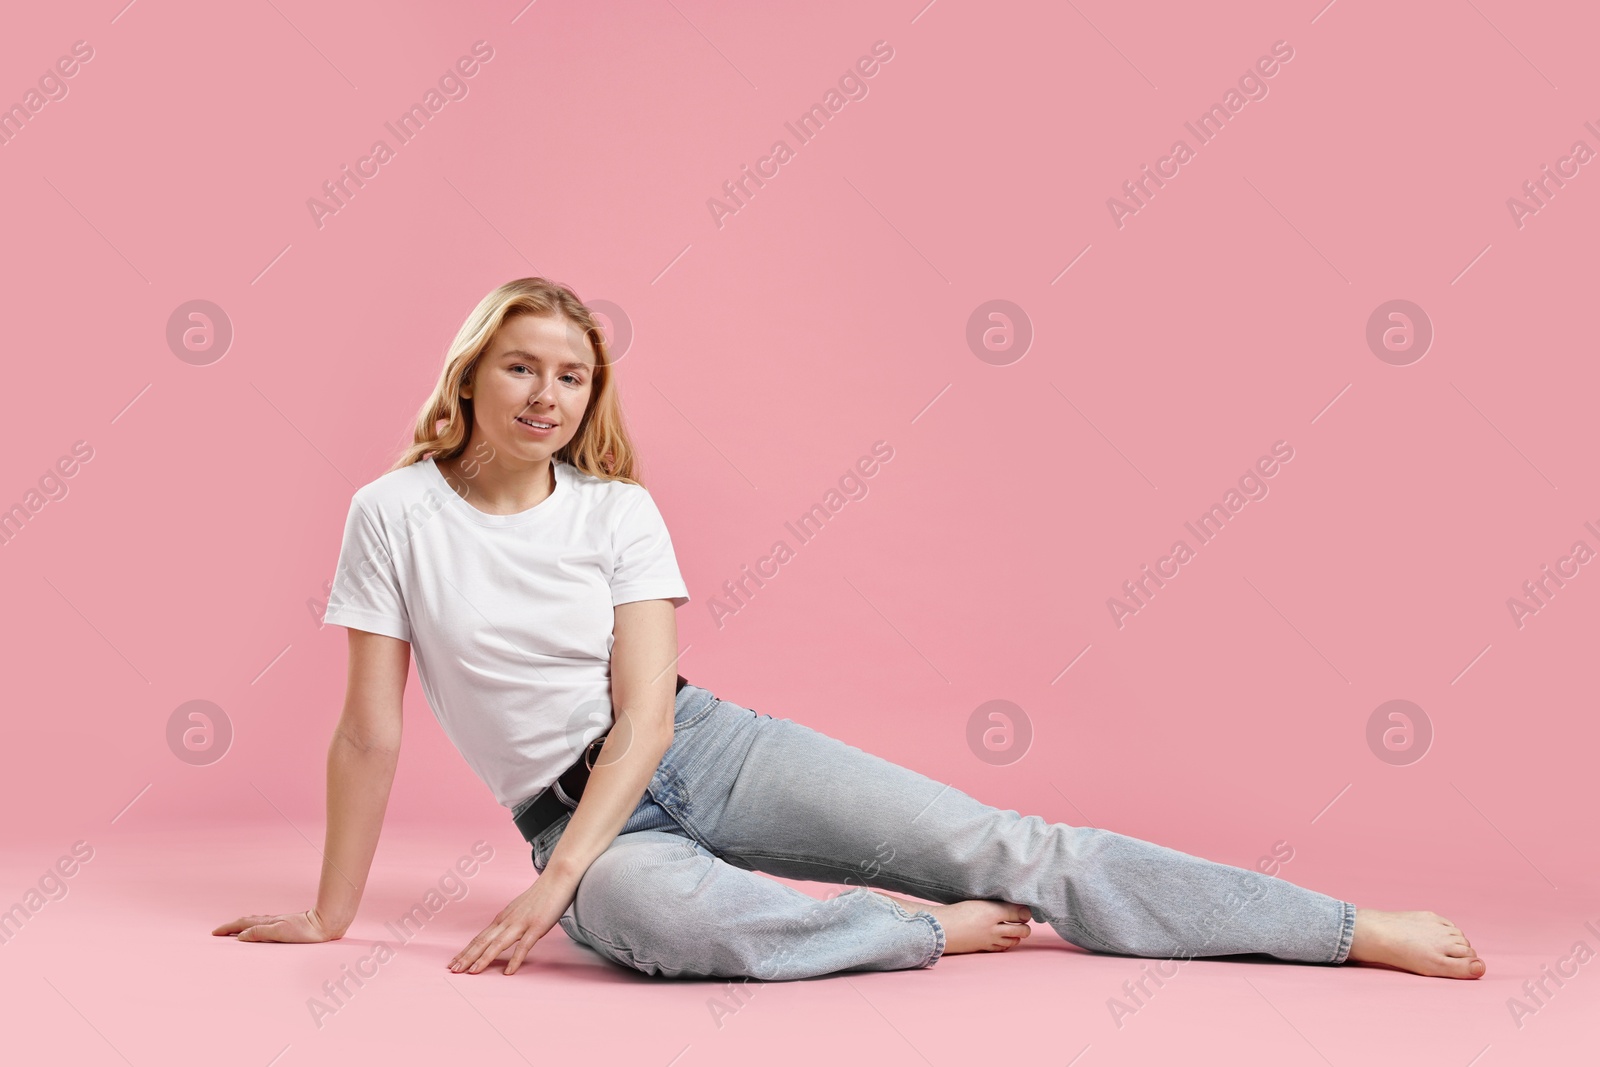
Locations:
{"points": [[658, 733], [652, 731], [668, 731], [376, 746]]}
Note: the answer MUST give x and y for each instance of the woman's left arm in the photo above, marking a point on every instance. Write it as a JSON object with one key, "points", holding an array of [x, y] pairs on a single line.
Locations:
{"points": [[644, 656]]}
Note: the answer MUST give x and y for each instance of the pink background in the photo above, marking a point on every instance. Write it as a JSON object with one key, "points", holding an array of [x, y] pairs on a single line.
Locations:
{"points": [[768, 355]]}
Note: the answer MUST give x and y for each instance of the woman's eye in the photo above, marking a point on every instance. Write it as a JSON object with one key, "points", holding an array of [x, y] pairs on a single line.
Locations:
{"points": [[573, 379]]}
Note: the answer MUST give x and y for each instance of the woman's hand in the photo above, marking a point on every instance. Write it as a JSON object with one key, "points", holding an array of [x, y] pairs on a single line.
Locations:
{"points": [[302, 927], [519, 925]]}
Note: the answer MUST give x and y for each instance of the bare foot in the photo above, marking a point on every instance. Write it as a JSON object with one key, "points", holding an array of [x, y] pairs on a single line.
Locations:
{"points": [[975, 925], [1419, 941]]}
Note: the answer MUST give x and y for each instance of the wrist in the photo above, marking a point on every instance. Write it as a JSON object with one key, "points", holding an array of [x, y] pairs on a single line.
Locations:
{"points": [[564, 871], [332, 923]]}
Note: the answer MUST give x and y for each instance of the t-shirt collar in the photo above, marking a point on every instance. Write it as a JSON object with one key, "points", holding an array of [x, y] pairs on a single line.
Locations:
{"points": [[482, 518]]}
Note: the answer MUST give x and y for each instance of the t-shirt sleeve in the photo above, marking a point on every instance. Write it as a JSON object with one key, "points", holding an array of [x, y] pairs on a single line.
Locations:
{"points": [[366, 590], [645, 566]]}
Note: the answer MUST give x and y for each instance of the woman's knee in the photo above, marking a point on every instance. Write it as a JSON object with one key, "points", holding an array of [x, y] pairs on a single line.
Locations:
{"points": [[629, 873], [664, 907], [625, 900]]}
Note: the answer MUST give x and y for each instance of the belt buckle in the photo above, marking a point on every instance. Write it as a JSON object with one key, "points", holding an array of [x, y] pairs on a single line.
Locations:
{"points": [[592, 751]]}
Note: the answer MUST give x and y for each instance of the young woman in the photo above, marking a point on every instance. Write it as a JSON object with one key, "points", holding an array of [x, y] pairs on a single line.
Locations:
{"points": [[513, 548]]}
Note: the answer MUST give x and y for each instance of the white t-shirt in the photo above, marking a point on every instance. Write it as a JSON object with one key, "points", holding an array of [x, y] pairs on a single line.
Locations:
{"points": [[509, 616]]}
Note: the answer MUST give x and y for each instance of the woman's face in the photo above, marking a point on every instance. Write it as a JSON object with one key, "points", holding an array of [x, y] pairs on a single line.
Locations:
{"points": [[538, 369]]}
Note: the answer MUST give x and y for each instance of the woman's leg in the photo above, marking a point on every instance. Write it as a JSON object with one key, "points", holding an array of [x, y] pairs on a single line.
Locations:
{"points": [[772, 795], [661, 903]]}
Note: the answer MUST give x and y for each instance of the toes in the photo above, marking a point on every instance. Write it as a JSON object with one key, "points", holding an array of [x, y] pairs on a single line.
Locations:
{"points": [[1009, 934], [1018, 913], [1467, 967]]}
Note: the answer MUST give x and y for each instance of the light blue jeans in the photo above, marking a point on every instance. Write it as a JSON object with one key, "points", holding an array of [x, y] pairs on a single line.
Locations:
{"points": [[740, 792]]}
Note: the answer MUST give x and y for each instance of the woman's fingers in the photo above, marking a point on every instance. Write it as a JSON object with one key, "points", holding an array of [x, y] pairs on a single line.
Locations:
{"points": [[477, 960], [469, 954], [301, 927], [270, 930], [494, 948], [520, 951], [244, 922], [518, 927], [518, 937], [472, 955]]}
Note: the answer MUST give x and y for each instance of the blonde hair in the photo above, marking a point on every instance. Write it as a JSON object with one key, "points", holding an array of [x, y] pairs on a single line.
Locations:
{"points": [[601, 447]]}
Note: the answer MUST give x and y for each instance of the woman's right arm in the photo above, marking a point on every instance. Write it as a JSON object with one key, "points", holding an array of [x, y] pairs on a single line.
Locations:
{"points": [[361, 763]]}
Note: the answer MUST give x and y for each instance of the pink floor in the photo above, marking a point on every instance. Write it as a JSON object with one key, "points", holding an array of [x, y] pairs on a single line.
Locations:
{"points": [[123, 970]]}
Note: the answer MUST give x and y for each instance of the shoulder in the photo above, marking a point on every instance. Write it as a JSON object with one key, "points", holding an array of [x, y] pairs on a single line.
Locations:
{"points": [[399, 492], [626, 509], [610, 494]]}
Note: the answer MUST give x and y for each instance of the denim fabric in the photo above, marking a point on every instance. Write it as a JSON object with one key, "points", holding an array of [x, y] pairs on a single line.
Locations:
{"points": [[740, 792]]}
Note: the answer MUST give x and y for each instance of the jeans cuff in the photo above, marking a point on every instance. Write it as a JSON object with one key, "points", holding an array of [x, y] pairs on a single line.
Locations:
{"points": [[933, 924], [938, 939], [1347, 931]]}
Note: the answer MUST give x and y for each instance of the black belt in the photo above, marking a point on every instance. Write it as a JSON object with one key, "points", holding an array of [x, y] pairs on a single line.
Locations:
{"points": [[538, 816]]}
